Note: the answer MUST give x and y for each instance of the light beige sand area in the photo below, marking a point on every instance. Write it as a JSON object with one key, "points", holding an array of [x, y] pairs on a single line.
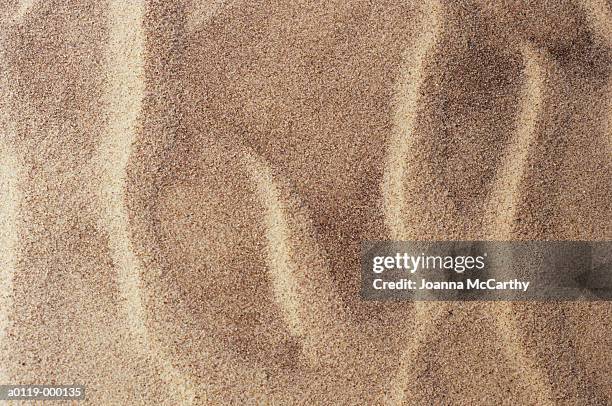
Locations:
{"points": [[184, 187]]}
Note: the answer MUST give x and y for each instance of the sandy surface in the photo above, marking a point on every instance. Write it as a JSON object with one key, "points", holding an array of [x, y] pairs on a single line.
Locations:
{"points": [[184, 188]]}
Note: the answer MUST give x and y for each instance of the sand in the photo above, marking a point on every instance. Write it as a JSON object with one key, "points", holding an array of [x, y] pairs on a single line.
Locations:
{"points": [[184, 187]]}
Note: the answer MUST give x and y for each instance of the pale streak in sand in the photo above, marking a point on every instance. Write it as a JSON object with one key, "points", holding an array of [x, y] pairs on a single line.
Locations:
{"points": [[505, 192], [125, 56], [394, 199], [280, 264], [282, 267], [291, 291], [10, 198], [503, 206]]}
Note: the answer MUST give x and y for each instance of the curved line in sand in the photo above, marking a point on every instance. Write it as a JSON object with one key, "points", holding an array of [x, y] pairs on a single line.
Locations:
{"points": [[505, 197], [503, 207], [280, 264], [426, 315], [393, 192], [293, 287], [407, 107], [10, 197], [10, 171], [125, 94]]}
